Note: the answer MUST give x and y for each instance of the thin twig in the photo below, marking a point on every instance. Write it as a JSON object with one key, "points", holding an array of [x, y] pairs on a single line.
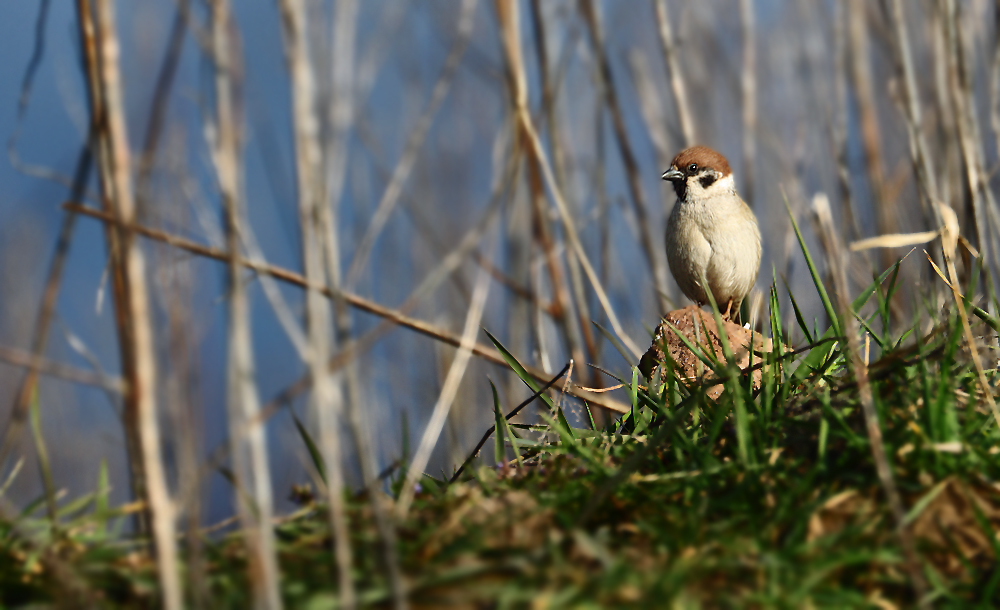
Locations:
{"points": [[43, 366], [358, 302], [678, 84], [512, 413]]}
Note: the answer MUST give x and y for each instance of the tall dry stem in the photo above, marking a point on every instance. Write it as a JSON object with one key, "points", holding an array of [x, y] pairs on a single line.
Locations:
{"points": [[340, 117], [247, 439], [859, 367], [678, 84], [132, 310], [326, 400]]}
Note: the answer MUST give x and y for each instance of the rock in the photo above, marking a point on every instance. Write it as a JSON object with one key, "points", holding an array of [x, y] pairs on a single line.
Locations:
{"points": [[698, 326]]}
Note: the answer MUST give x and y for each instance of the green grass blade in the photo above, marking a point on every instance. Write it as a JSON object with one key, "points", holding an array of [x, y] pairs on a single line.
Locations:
{"points": [[831, 312], [817, 356], [44, 465], [503, 428], [798, 314], [314, 454], [710, 362], [518, 369], [101, 502], [499, 451]]}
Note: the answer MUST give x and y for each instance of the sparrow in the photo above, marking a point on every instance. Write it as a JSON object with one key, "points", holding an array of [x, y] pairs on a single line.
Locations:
{"points": [[713, 242]]}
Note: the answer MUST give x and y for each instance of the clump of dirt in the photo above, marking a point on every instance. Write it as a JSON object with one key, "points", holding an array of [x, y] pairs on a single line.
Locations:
{"points": [[699, 328]]}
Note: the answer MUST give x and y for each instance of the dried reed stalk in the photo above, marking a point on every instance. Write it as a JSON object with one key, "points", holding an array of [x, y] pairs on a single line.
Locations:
{"points": [[969, 135], [678, 84], [326, 400], [132, 311], [632, 173], [838, 128], [748, 88], [862, 83], [340, 118], [507, 12], [923, 165], [838, 263], [567, 288], [248, 440]]}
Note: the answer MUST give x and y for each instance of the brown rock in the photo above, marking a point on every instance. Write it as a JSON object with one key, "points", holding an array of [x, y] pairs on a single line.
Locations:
{"points": [[699, 328]]}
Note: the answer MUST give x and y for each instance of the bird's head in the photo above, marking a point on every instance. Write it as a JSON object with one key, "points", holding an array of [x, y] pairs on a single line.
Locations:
{"points": [[698, 172]]}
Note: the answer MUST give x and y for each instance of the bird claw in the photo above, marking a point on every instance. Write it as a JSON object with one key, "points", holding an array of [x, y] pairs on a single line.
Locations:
{"points": [[726, 315]]}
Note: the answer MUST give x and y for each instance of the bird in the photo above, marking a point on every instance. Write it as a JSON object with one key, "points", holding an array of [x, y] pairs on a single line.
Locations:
{"points": [[713, 242]]}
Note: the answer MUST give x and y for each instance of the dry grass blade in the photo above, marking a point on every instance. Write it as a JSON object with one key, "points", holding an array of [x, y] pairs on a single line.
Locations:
{"points": [[949, 243], [895, 240]]}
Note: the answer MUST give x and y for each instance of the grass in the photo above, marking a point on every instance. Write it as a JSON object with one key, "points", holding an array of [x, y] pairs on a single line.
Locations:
{"points": [[759, 499]]}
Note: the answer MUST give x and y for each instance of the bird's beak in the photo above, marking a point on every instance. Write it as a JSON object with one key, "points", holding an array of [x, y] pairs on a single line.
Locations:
{"points": [[673, 174]]}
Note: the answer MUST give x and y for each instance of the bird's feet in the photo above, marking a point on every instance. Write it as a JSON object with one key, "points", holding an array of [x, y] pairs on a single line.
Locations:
{"points": [[727, 315]]}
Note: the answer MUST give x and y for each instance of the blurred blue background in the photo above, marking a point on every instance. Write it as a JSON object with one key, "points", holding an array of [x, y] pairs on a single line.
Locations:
{"points": [[403, 45]]}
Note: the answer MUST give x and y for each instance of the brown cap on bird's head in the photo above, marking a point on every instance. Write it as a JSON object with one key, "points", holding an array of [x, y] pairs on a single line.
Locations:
{"points": [[701, 156]]}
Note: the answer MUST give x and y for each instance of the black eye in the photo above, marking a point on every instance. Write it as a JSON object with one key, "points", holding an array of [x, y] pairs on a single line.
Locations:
{"points": [[692, 168]]}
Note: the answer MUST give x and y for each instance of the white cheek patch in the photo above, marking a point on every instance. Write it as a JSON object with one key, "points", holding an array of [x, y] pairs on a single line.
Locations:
{"points": [[701, 187], [709, 179]]}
